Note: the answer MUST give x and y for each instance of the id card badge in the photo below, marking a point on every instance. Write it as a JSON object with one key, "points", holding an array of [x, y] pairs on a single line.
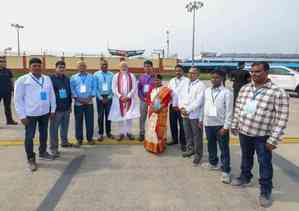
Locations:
{"points": [[62, 93], [43, 95], [212, 111], [250, 108], [82, 88], [105, 87], [145, 88]]}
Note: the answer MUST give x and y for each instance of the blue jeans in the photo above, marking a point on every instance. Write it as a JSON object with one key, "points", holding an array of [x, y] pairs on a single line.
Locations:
{"points": [[81, 112], [59, 122], [248, 147], [30, 129], [213, 136]]}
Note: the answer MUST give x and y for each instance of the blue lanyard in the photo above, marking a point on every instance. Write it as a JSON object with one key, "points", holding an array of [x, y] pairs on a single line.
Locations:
{"points": [[104, 77], [37, 81], [83, 81], [256, 93]]}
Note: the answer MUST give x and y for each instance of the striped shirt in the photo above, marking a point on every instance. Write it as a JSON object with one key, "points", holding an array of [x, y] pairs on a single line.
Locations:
{"points": [[262, 112]]}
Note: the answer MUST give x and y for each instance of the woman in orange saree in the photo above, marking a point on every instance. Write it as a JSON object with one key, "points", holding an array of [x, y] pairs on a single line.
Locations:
{"points": [[158, 99]]}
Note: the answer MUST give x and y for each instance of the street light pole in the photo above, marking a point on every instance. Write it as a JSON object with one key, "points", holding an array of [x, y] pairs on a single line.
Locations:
{"points": [[168, 42], [192, 7], [18, 27]]}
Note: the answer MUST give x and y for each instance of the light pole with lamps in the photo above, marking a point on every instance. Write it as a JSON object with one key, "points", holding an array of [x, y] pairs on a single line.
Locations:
{"points": [[18, 27], [192, 7]]}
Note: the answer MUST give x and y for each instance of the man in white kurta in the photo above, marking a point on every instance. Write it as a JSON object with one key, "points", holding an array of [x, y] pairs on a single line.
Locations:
{"points": [[124, 105]]}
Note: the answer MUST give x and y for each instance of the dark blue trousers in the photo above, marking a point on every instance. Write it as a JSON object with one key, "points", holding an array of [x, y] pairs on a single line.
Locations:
{"points": [[30, 129], [213, 136], [250, 145], [81, 112]]}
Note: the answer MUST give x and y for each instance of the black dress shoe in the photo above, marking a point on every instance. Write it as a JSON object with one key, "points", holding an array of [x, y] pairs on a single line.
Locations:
{"points": [[141, 138], [12, 122], [196, 161], [66, 145], [110, 136], [171, 143], [121, 137], [188, 154], [130, 137]]}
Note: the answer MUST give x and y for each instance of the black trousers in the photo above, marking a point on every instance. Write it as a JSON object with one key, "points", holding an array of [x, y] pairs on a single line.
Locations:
{"points": [[103, 113], [81, 112], [30, 129], [175, 118], [7, 107]]}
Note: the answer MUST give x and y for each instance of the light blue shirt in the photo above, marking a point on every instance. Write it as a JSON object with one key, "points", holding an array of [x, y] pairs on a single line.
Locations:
{"points": [[222, 99], [103, 84], [83, 86]]}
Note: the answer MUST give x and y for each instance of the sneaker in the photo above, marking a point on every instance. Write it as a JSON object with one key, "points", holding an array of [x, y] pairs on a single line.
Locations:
{"points": [[32, 165], [130, 136], [240, 182], [46, 156], [188, 154], [55, 154], [265, 200], [226, 178], [211, 167], [100, 138], [121, 137], [183, 148], [110, 136]]}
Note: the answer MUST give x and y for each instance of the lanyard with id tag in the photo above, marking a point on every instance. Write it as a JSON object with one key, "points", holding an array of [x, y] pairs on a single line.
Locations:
{"points": [[82, 85], [105, 84], [62, 93], [145, 88], [250, 108], [42, 95], [105, 87], [212, 110]]}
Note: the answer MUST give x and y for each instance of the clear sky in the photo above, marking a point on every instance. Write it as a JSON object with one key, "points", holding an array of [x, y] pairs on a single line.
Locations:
{"points": [[262, 26]]}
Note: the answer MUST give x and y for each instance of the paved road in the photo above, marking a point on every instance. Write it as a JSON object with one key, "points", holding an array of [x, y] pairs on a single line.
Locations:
{"points": [[127, 178]]}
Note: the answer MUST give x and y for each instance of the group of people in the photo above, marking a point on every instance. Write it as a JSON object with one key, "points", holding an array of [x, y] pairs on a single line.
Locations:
{"points": [[257, 112]]}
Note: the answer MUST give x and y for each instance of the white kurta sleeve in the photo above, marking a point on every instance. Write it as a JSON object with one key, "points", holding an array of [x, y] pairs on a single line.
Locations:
{"points": [[19, 98], [134, 87], [114, 86]]}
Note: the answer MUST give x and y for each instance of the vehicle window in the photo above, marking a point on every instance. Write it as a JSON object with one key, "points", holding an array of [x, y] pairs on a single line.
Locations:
{"points": [[279, 71]]}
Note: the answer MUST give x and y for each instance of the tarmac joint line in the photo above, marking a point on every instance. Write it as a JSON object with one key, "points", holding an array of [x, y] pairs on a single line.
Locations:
{"points": [[54, 195]]}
